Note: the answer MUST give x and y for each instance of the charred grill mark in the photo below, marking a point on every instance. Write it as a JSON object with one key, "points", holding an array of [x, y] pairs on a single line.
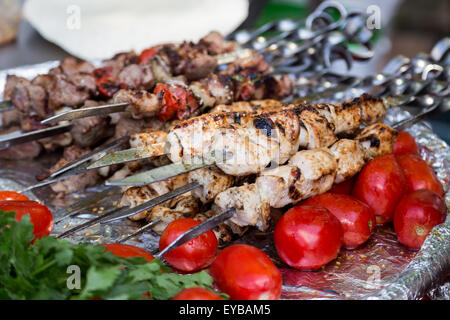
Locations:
{"points": [[359, 100], [264, 123], [237, 117], [294, 194], [280, 126], [181, 146], [374, 141]]}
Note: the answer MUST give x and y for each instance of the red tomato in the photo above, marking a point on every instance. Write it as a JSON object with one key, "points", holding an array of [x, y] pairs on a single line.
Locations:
{"points": [[147, 54], [246, 273], [192, 256], [357, 218], [12, 195], [416, 214], [343, 187], [197, 294], [419, 174], [170, 104], [381, 184], [405, 144], [308, 237], [40, 215], [126, 251]]}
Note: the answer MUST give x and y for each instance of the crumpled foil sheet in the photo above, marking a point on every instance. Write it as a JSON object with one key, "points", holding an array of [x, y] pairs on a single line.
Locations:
{"points": [[380, 269]]}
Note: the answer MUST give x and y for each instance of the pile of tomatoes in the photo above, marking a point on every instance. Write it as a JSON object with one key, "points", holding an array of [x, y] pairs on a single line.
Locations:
{"points": [[398, 187]]}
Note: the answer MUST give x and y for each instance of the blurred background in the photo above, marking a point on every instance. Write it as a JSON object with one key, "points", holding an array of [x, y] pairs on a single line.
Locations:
{"points": [[408, 27]]}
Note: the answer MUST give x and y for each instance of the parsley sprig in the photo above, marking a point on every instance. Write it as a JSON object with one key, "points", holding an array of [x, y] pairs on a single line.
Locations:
{"points": [[39, 270]]}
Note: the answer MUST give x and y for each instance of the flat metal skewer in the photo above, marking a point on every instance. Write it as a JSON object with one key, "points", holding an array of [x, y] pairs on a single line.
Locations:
{"points": [[87, 112], [132, 154], [85, 225], [78, 166], [19, 137], [125, 212], [78, 206], [194, 232], [164, 172], [139, 231], [6, 105]]}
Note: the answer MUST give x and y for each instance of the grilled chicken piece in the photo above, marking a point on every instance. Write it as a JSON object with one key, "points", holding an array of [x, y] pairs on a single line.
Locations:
{"points": [[252, 208], [137, 195], [349, 155], [309, 172], [376, 140], [223, 231], [184, 206], [247, 107], [76, 183], [142, 103], [290, 127], [212, 182], [270, 137], [147, 137]]}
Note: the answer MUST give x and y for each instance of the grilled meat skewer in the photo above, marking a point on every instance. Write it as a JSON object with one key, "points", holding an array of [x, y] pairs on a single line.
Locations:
{"points": [[251, 142], [309, 172]]}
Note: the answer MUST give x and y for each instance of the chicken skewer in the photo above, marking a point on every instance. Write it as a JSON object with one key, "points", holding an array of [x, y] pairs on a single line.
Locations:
{"points": [[270, 136], [309, 172]]}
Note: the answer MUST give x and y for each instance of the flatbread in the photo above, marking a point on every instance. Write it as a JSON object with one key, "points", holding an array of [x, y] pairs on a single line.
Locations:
{"points": [[97, 29]]}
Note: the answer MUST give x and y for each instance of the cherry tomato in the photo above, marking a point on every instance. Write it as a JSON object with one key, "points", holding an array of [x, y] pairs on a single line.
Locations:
{"points": [[40, 215], [192, 256], [147, 54], [126, 251], [343, 187], [12, 195], [357, 218], [246, 273], [197, 294], [308, 237], [416, 214], [381, 184], [405, 144], [170, 104], [419, 174]]}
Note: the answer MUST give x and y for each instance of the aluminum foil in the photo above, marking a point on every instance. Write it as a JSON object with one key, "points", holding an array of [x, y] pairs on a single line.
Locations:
{"points": [[380, 269]]}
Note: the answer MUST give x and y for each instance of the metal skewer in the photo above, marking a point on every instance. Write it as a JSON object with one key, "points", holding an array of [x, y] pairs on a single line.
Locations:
{"points": [[127, 212], [78, 166], [18, 137], [6, 105]]}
